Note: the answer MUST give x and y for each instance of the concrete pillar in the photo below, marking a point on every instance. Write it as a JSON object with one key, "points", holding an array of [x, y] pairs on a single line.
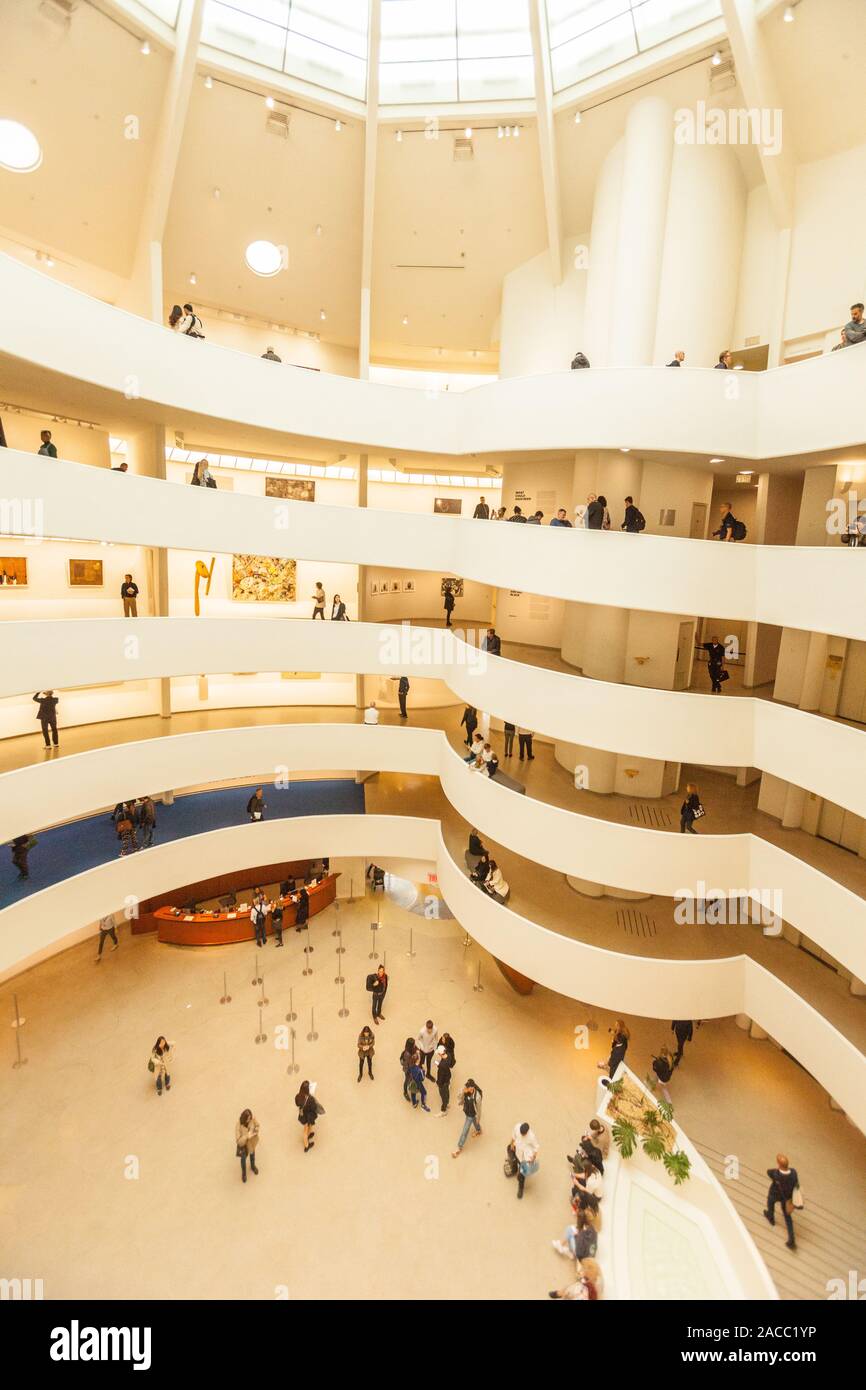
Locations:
{"points": [[643, 206], [795, 803], [594, 769], [598, 309], [814, 671], [363, 601], [604, 643]]}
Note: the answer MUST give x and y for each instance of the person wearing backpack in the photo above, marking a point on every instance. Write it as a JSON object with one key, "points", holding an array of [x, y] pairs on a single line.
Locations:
{"points": [[664, 1069], [784, 1189], [579, 360], [190, 325], [731, 529], [634, 520]]}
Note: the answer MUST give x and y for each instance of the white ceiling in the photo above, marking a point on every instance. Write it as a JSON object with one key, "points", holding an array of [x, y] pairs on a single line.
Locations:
{"points": [[75, 88]]}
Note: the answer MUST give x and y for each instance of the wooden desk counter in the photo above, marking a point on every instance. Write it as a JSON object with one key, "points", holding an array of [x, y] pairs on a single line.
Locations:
{"points": [[179, 928]]}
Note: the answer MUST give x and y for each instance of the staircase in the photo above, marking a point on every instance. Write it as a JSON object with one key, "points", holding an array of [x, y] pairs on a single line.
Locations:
{"points": [[829, 1243]]}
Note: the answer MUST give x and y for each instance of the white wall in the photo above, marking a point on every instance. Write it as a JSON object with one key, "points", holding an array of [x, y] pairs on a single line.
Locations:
{"points": [[542, 323], [828, 272], [294, 349]]}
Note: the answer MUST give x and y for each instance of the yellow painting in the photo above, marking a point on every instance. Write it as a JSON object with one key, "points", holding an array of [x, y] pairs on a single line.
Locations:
{"points": [[263, 579]]}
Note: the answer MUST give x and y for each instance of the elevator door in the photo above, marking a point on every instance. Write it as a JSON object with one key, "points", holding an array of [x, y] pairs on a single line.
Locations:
{"points": [[852, 697], [698, 527], [840, 827]]}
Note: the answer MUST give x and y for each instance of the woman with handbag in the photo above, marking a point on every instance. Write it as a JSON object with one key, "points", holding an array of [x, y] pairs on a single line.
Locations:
{"points": [[366, 1049], [618, 1048], [784, 1189], [691, 810], [246, 1141], [308, 1112], [202, 476], [161, 1059]]}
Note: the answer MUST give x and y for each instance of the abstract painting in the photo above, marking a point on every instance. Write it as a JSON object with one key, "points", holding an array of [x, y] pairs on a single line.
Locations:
{"points": [[263, 579]]}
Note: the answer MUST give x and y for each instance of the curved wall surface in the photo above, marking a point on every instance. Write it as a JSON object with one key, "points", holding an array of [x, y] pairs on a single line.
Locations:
{"points": [[674, 726], [628, 984], [749, 415], [648, 861], [791, 586]]}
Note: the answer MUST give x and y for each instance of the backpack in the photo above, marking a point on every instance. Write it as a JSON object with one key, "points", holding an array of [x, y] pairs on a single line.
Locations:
{"points": [[738, 530], [579, 360], [639, 521], [192, 331], [662, 1069], [371, 981]]}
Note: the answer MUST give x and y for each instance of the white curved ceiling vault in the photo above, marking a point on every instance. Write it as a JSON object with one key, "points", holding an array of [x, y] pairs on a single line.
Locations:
{"points": [[77, 85]]}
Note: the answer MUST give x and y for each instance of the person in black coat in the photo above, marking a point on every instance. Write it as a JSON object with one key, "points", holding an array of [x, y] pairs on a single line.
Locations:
{"points": [[492, 642], [470, 719], [256, 805], [379, 990], [715, 663], [302, 911], [47, 714], [595, 514], [689, 810], [402, 692], [618, 1048], [443, 1077], [277, 922], [448, 603], [783, 1180], [683, 1031]]}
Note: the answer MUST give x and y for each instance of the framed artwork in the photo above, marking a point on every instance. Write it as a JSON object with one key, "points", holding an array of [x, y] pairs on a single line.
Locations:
{"points": [[448, 506], [455, 585], [13, 571], [85, 574], [408, 586], [396, 586], [291, 489], [263, 579], [374, 586]]}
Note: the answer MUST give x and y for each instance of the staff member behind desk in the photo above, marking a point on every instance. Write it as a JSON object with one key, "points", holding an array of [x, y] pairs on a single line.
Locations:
{"points": [[47, 714], [256, 805], [129, 594]]}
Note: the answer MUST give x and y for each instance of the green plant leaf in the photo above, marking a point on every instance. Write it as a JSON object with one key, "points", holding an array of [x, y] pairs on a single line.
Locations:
{"points": [[625, 1138], [678, 1166], [651, 1118], [654, 1147], [666, 1110]]}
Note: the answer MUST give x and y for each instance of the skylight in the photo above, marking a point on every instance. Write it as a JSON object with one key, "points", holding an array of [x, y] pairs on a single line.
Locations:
{"points": [[320, 41], [455, 50], [588, 36]]}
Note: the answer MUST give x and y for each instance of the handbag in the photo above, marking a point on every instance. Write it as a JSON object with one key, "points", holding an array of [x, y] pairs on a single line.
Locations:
{"points": [[724, 675], [151, 1065], [698, 812], [797, 1201]]}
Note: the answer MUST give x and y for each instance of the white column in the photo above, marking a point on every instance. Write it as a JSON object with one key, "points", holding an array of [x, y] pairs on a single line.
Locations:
{"points": [[640, 240], [602, 258]]}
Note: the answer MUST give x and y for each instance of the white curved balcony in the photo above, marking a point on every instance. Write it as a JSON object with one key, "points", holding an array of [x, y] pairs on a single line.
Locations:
{"points": [[647, 861], [53, 327], [624, 983], [675, 726], [790, 586]]}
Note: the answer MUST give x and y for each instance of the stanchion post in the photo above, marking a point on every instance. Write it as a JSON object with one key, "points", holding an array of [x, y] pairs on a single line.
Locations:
{"points": [[411, 950], [226, 999], [257, 979], [17, 1023], [291, 1015], [293, 1065], [478, 986], [261, 1035], [263, 1001], [343, 1012], [312, 1035]]}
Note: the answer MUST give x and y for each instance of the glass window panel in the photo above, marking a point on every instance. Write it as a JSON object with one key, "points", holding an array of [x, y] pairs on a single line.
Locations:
{"points": [[493, 28], [326, 67], [251, 38], [418, 30], [658, 20], [494, 79], [163, 9], [273, 11], [340, 23], [567, 19], [593, 52], [417, 82]]}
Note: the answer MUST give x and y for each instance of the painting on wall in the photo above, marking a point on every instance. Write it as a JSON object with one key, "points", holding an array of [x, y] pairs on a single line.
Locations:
{"points": [[448, 506], [374, 586], [408, 586], [85, 574], [13, 571], [455, 585], [291, 489], [263, 579], [396, 586]]}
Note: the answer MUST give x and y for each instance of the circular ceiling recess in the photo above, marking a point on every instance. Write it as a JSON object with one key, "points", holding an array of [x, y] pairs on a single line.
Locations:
{"points": [[263, 258], [20, 151]]}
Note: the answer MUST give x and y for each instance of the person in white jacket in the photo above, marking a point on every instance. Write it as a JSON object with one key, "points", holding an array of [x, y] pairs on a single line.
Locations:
{"points": [[526, 1150], [495, 884], [426, 1041], [371, 714]]}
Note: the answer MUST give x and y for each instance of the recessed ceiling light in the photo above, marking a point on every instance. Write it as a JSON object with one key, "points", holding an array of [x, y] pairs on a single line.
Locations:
{"points": [[405, 320], [49, 261], [20, 151], [270, 103], [318, 229], [144, 50], [263, 258], [218, 193], [322, 315], [338, 125], [399, 137], [577, 118], [716, 59], [508, 132], [192, 279], [717, 460], [208, 82], [499, 132]]}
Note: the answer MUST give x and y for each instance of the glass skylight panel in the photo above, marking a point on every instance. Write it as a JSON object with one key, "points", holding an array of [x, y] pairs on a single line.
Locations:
{"points": [[415, 31], [493, 29], [320, 41], [455, 50], [588, 36], [402, 84], [165, 10], [495, 79]]}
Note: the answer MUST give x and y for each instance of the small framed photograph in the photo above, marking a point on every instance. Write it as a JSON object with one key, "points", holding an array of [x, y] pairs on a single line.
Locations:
{"points": [[85, 574], [408, 586], [374, 586], [396, 586], [448, 506], [13, 572]]}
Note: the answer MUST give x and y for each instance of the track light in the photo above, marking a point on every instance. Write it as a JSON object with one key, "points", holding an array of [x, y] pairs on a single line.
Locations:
{"points": [[517, 132], [217, 193], [144, 50], [788, 15], [208, 82], [338, 126], [399, 137], [270, 103], [508, 132], [499, 132], [577, 118], [318, 229], [49, 261], [322, 315], [716, 59], [405, 320], [468, 132], [192, 279]]}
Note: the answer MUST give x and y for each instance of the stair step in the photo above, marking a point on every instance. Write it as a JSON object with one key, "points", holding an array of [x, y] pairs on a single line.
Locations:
{"points": [[829, 1244]]}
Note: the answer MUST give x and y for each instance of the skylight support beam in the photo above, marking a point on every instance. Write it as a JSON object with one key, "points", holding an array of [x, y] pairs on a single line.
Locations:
{"points": [[546, 134], [371, 146]]}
